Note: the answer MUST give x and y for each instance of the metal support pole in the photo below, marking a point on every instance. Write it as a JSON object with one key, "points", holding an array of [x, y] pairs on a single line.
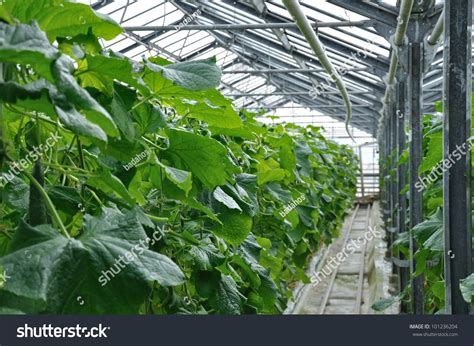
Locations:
{"points": [[457, 130], [401, 172], [393, 178], [415, 82], [362, 189], [385, 150]]}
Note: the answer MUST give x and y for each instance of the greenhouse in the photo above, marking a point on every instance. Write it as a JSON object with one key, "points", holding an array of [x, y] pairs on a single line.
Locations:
{"points": [[241, 157]]}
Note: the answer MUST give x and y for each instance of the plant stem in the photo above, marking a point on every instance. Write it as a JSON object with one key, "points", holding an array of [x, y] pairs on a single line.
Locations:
{"points": [[157, 218]]}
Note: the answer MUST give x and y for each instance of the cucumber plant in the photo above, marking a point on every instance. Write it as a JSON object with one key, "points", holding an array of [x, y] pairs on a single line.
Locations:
{"points": [[156, 195]]}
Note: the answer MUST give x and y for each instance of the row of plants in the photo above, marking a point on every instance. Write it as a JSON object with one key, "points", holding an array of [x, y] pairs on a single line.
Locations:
{"points": [[156, 196], [429, 235]]}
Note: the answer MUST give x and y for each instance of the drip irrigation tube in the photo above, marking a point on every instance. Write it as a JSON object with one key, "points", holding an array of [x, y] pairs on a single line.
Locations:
{"points": [[306, 29], [437, 31], [403, 19]]}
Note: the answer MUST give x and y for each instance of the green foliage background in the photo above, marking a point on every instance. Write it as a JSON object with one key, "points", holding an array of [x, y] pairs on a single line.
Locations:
{"points": [[211, 185]]}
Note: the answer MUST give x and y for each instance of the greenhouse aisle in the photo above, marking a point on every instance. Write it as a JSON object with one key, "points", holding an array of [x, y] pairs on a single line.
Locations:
{"points": [[343, 283]]}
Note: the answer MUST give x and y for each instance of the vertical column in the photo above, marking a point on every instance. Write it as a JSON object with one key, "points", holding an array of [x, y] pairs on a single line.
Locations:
{"points": [[389, 177], [383, 169], [415, 80], [401, 172], [361, 166], [394, 178], [457, 129]]}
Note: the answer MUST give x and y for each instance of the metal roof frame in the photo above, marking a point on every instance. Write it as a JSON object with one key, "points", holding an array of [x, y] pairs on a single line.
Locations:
{"points": [[271, 62]]}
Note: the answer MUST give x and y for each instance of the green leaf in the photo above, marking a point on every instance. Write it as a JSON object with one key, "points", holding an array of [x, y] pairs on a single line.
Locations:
{"points": [[427, 228], [250, 273], [110, 183], [63, 18], [27, 45], [182, 179], [221, 291], [435, 153], [269, 170], [225, 199], [430, 232], [195, 153], [206, 257], [384, 304], [99, 71], [149, 118], [191, 75], [16, 195], [120, 111], [467, 289], [438, 290], [34, 96], [235, 227], [227, 299], [77, 123], [108, 267], [220, 116], [79, 97], [42, 96]]}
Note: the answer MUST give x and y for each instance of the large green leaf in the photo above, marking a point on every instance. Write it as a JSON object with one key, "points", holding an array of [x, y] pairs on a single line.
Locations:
{"points": [[182, 179], [430, 232], [269, 170], [149, 118], [42, 96], [107, 182], [106, 270], [435, 153], [191, 75], [59, 18], [206, 256], [225, 199], [197, 154], [100, 71], [34, 96], [120, 111], [236, 226], [220, 116], [28, 45], [77, 123], [221, 291], [467, 289], [79, 97]]}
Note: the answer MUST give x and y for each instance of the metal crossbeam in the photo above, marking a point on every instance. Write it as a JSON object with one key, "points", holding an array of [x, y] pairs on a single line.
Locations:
{"points": [[291, 70], [368, 10], [293, 93], [250, 26]]}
